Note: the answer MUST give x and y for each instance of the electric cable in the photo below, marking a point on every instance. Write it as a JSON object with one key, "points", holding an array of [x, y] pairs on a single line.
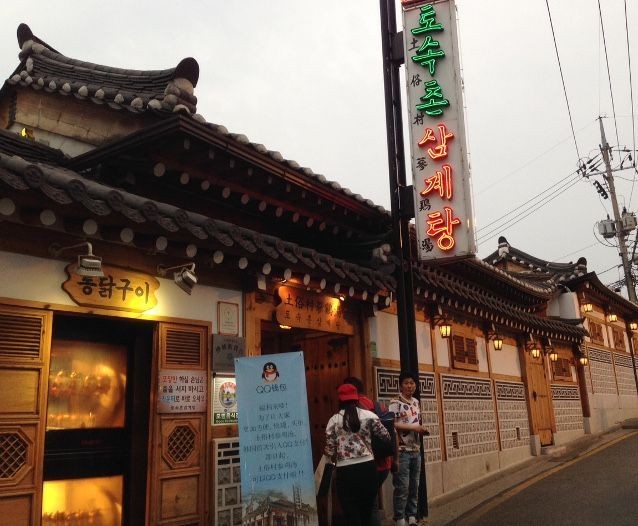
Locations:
{"points": [[574, 252], [513, 210], [631, 96], [562, 77], [494, 232], [611, 92]]}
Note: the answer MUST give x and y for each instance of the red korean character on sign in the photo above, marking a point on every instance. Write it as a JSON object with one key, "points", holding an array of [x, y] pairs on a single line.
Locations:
{"points": [[442, 225], [441, 149], [441, 181]]}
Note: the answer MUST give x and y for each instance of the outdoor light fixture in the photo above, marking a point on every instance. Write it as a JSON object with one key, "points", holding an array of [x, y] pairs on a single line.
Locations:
{"points": [[533, 348], [612, 317], [88, 264], [441, 321], [553, 355], [184, 276], [585, 305], [496, 338], [583, 360], [285, 327], [633, 325]]}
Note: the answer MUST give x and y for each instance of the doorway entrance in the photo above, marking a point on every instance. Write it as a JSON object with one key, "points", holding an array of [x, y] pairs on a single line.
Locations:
{"points": [[539, 399], [97, 420], [327, 365]]}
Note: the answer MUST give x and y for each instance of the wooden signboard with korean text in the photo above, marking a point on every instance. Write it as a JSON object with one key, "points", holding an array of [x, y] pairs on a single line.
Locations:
{"points": [[307, 310], [118, 289]]}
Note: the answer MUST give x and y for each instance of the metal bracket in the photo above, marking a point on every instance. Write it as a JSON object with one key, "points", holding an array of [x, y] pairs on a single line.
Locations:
{"points": [[396, 46], [406, 202]]}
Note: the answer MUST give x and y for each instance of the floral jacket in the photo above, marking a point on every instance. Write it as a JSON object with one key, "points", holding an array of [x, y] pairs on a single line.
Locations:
{"points": [[352, 448]]}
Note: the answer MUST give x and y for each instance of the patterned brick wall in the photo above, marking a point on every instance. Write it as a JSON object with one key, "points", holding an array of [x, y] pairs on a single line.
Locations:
{"points": [[470, 419], [227, 482], [387, 387], [602, 372], [624, 375], [512, 414], [567, 408]]}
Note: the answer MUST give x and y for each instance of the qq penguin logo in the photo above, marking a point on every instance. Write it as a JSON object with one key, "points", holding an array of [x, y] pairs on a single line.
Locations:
{"points": [[270, 374]]}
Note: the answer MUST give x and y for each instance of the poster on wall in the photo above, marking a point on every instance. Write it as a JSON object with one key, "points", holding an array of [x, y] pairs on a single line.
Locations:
{"points": [[225, 350], [224, 400], [181, 391], [274, 438]]}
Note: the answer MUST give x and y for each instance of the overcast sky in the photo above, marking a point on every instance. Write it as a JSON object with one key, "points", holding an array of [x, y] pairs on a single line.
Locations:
{"points": [[305, 78]]}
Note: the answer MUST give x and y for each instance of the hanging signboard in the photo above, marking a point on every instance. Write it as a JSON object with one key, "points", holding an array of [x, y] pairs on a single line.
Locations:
{"points": [[440, 171], [308, 310], [274, 440], [181, 391], [118, 289], [224, 400]]}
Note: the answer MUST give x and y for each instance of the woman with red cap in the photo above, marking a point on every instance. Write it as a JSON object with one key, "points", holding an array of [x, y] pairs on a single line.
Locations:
{"points": [[349, 445]]}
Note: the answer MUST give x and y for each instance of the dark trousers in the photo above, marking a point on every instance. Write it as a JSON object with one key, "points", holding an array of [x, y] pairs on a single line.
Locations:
{"points": [[357, 489]]}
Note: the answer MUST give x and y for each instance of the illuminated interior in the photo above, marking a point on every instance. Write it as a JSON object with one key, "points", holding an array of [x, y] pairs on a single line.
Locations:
{"points": [[87, 385], [95, 501]]}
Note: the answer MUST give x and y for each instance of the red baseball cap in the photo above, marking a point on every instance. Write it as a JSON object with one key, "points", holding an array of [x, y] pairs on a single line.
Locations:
{"points": [[347, 392]]}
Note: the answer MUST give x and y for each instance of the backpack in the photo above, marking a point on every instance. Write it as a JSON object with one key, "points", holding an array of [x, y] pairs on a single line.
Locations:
{"points": [[381, 448]]}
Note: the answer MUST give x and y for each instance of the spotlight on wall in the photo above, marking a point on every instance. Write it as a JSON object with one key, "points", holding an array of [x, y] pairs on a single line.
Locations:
{"points": [[585, 304], [612, 317], [633, 325], [184, 276], [445, 327], [88, 264]]}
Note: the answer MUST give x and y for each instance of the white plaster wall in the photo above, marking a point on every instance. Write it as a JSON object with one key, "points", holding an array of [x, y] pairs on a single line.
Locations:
{"points": [[424, 345], [481, 353], [569, 307], [383, 331], [506, 360], [442, 350], [39, 279]]}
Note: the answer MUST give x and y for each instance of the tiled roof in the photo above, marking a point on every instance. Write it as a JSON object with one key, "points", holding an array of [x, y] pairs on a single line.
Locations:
{"points": [[44, 68], [478, 301], [66, 188], [536, 269], [162, 92], [13, 144]]}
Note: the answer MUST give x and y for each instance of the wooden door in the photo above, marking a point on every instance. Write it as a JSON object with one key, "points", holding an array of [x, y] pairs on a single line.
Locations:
{"points": [[326, 359], [178, 462], [540, 402], [24, 353]]}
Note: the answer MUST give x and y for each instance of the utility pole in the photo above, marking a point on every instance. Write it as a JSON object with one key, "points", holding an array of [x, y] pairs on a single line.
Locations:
{"points": [[620, 234]]}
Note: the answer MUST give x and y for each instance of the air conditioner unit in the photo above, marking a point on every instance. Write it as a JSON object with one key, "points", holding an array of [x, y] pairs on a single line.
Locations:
{"points": [[628, 221], [607, 228]]}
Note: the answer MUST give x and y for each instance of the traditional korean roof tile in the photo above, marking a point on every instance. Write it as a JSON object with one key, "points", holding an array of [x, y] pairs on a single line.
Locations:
{"points": [[479, 301], [536, 269], [43, 68], [161, 92], [13, 144], [68, 188]]}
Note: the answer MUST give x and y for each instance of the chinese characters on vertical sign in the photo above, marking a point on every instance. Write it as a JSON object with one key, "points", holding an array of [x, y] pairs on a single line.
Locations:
{"points": [[443, 207]]}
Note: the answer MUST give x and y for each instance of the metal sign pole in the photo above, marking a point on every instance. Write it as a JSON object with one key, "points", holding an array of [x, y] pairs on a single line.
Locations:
{"points": [[402, 206]]}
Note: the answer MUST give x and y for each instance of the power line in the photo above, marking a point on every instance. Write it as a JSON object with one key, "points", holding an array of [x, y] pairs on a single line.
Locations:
{"points": [[492, 233], [569, 111], [575, 252], [551, 187], [611, 93], [631, 95]]}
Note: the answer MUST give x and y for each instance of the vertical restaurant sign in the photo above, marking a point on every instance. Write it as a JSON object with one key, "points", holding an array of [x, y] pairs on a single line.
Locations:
{"points": [[274, 438], [440, 170], [182, 391], [224, 400]]}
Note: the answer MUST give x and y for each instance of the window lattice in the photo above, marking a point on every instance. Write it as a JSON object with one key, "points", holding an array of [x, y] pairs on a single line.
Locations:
{"points": [[181, 443], [13, 454]]}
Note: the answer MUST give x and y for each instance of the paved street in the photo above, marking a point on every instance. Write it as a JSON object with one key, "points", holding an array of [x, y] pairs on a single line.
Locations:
{"points": [[600, 488]]}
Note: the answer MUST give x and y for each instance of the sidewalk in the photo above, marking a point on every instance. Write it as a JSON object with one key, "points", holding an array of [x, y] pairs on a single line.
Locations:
{"points": [[454, 507]]}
